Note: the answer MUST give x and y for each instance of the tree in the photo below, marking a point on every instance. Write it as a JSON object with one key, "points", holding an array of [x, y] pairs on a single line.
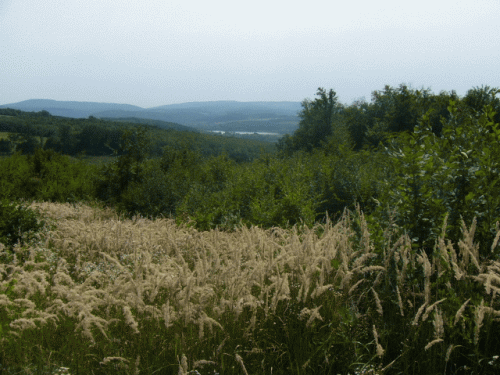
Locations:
{"points": [[92, 139], [4, 146], [116, 177], [25, 143], [479, 97], [67, 140], [315, 124], [399, 109], [357, 120]]}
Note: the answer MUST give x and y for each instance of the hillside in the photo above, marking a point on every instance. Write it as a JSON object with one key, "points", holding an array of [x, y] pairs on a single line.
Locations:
{"points": [[68, 108], [277, 117], [98, 137]]}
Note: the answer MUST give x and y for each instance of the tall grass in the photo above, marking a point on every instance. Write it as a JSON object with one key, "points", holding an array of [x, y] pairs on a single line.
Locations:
{"points": [[103, 295]]}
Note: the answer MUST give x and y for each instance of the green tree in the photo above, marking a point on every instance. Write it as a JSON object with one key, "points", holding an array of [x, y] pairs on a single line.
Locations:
{"points": [[128, 168], [65, 140], [356, 117], [24, 143], [92, 139], [478, 97], [5, 146], [394, 110], [315, 124]]}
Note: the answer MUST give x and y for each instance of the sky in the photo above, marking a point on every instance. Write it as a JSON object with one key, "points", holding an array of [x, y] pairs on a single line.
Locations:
{"points": [[156, 52]]}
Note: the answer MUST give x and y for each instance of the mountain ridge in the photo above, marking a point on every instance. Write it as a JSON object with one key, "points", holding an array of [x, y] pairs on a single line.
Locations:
{"points": [[208, 115]]}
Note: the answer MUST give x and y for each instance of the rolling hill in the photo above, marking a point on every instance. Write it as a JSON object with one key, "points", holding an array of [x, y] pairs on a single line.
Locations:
{"points": [[278, 117]]}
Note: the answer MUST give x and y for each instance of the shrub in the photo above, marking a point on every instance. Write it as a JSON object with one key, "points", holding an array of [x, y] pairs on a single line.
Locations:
{"points": [[18, 223], [116, 177], [152, 197], [15, 177], [455, 174]]}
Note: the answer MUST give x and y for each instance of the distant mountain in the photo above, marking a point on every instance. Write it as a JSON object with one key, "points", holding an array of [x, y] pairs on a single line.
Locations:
{"points": [[285, 108], [202, 115], [279, 117], [69, 109]]}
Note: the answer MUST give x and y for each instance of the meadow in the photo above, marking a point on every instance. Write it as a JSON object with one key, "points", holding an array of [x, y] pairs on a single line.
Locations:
{"points": [[97, 293]]}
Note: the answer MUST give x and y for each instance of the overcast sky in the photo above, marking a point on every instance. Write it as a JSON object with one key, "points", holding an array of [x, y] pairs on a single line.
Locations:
{"points": [[156, 52]]}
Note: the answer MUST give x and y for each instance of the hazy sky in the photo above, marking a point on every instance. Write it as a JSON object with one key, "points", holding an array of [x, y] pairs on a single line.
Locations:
{"points": [[155, 52]]}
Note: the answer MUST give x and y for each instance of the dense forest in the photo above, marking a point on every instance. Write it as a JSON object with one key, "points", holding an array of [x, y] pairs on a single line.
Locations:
{"points": [[24, 132], [365, 242]]}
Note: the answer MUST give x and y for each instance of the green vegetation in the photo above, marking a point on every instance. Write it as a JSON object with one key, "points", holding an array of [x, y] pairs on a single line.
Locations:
{"points": [[156, 123], [413, 176], [18, 223]]}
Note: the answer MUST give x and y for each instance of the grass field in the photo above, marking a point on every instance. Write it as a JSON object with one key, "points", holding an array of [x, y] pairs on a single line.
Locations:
{"points": [[97, 294]]}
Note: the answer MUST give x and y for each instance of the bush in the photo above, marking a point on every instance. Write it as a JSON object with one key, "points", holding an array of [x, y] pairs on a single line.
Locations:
{"points": [[45, 176], [455, 174], [127, 169], [18, 223], [15, 178], [153, 197]]}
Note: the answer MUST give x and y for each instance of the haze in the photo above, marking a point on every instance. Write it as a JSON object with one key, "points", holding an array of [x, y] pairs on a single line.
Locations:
{"points": [[153, 52]]}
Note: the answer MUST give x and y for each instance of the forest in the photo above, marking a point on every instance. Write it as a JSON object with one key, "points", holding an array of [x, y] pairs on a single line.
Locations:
{"points": [[409, 165]]}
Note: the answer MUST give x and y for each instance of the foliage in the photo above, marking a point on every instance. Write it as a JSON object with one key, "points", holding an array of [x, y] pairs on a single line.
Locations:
{"points": [[455, 174], [315, 124], [127, 169], [395, 110], [360, 125], [15, 177], [267, 192], [153, 196], [45, 175], [98, 137], [399, 109], [478, 97], [346, 178], [5, 147], [18, 223], [24, 143]]}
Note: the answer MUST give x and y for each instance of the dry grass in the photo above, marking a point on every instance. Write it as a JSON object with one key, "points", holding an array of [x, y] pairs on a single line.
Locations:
{"points": [[122, 288]]}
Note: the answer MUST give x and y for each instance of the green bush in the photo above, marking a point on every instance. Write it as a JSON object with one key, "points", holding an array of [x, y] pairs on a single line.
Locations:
{"points": [[455, 174], [15, 178], [152, 197], [45, 176], [59, 179], [114, 178], [18, 223]]}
